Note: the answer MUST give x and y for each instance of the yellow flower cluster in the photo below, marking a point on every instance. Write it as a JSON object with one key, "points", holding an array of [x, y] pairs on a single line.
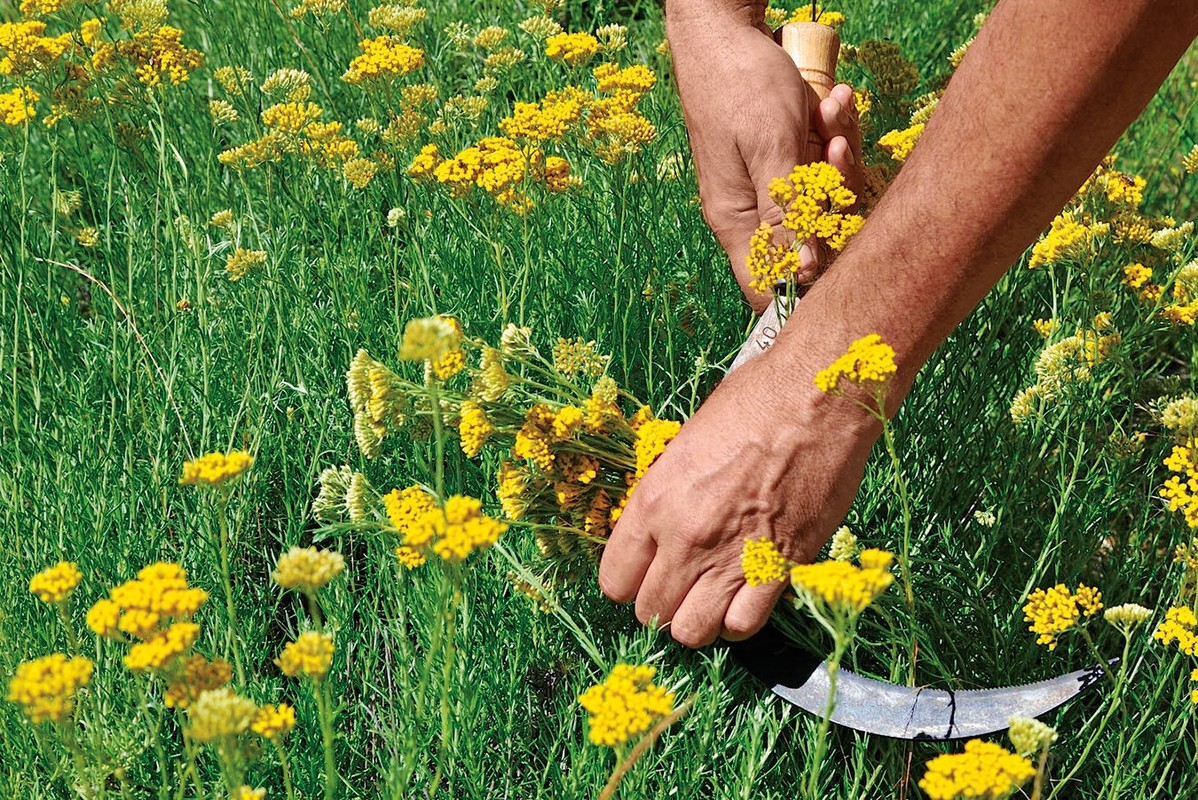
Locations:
{"points": [[317, 8], [1127, 616], [570, 465], [220, 714], [383, 57], [762, 563], [216, 468], [1184, 308], [868, 363], [453, 531], [551, 118], [378, 405], [572, 48], [396, 18], [273, 722], [45, 688], [626, 705], [17, 106], [155, 608], [576, 357], [1053, 611], [814, 203], [833, 19], [26, 50], [1181, 488], [1030, 736], [55, 585], [1178, 627], [1065, 363], [310, 654], [473, 428], [307, 569], [241, 261], [497, 165], [249, 793], [841, 587], [1067, 237], [900, 143], [985, 771]]}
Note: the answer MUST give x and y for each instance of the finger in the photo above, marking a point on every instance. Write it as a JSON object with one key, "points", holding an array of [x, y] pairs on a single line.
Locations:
{"points": [[840, 155], [662, 591], [750, 609], [626, 558], [836, 115], [700, 618]]}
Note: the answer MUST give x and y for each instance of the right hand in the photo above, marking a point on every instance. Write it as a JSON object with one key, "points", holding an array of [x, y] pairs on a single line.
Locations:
{"points": [[747, 113]]}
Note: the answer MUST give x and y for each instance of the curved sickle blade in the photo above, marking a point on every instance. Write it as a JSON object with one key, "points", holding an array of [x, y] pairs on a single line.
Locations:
{"points": [[900, 712]]}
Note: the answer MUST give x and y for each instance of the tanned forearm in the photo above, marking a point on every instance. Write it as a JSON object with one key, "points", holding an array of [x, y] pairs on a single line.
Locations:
{"points": [[1042, 95]]}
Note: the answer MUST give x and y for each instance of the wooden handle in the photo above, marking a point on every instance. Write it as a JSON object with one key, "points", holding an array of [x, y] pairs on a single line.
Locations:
{"points": [[814, 48]]}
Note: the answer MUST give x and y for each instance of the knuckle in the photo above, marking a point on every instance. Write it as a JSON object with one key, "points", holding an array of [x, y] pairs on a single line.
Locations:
{"points": [[741, 626], [689, 634]]}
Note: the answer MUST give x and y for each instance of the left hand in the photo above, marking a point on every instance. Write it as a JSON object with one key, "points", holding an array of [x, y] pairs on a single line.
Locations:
{"points": [[766, 455]]}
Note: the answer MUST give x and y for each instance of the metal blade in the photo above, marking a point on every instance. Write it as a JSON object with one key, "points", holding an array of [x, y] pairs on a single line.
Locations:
{"points": [[766, 330], [899, 712]]}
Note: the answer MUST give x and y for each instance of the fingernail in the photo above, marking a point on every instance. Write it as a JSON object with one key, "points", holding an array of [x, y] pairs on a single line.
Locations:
{"points": [[849, 157]]}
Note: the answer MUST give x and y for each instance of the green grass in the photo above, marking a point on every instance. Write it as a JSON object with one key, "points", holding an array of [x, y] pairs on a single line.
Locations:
{"points": [[104, 397]]}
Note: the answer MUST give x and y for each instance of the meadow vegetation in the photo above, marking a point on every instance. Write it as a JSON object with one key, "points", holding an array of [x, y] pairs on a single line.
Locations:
{"points": [[334, 336]]}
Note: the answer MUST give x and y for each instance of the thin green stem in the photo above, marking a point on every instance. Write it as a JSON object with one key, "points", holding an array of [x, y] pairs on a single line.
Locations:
{"points": [[232, 636]]}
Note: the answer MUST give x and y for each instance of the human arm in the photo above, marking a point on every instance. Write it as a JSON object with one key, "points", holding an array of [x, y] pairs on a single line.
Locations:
{"points": [[748, 113], [768, 455]]}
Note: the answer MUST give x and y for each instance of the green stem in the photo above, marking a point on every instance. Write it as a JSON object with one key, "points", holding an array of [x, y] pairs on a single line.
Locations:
{"points": [[64, 614], [900, 486], [232, 637], [285, 763], [840, 644], [324, 704], [450, 622]]}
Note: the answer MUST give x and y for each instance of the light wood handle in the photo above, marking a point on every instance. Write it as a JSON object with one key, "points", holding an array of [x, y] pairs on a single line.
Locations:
{"points": [[814, 48]]}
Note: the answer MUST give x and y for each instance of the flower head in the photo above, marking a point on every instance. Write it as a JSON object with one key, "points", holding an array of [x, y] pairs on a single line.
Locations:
{"points": [[220, 714], [307, 569], [841, 587], [625, 705], [1053, 611], [429, 338], [1127, 616], [196, 676], [1029, 736], [869, 362], [273, 722], [55, 585], [761, 562], [216, 468], [310, 654], [45, 688], [985, 771]]}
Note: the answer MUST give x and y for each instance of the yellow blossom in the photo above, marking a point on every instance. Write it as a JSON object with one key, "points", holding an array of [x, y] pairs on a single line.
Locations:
{"points": [[216, 468], [900, 143], [1053, 611], [310, 654], [219, 714], [307, 569], [382, 57], [159, 650], [868, 362], [241, 261], [473, 428], [17, 106], [45, 688], [429, 338], [273, 722], [56, 584], [761, 562], [845, 589], [985, 771], [1066, 237], [572, 48], [625, 706], [360, 171], [406, 508]]}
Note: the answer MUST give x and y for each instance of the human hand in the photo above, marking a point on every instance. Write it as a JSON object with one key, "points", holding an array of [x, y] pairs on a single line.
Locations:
{"points": [[748, 113], [766, 455]]}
